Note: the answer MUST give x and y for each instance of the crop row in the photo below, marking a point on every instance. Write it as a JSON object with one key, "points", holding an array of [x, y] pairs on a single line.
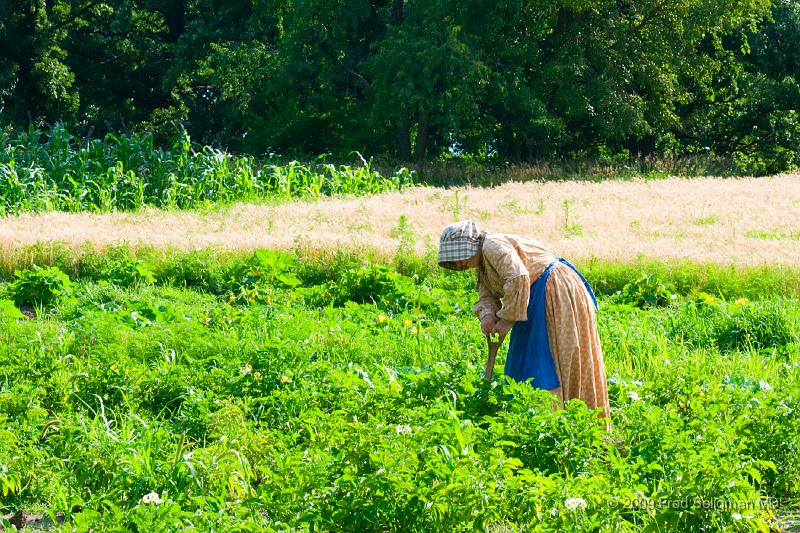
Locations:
{"points": [[53, 170]]}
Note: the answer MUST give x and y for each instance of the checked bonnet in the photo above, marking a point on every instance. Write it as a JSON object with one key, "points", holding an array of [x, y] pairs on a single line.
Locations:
{"points": [[458, 242]]}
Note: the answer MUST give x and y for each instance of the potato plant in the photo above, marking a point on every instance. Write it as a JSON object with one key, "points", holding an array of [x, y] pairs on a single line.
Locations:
{"points": [[308, 407]]}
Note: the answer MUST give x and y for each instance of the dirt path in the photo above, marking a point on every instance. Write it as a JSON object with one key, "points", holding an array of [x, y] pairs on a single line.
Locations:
{"points": [[738, 221]]}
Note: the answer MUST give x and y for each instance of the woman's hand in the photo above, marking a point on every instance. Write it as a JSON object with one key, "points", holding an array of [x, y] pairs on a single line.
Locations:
{"points": [[502, 327], [488, 322]]}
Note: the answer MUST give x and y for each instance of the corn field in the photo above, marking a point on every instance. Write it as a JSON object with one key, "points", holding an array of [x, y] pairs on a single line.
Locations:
{"points": [[55, 171]]}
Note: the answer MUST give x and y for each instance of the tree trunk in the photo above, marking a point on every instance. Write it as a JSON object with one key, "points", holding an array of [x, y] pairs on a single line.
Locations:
{"points": [[175, 19], [421, 146], [510, 144], [396, 15], [642, 146], [404, 139], [28, 95]]}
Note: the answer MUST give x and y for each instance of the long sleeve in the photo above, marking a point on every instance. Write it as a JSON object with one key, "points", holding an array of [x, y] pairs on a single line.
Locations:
{"points": [[512, 272], [487, 302], [515, 302]]}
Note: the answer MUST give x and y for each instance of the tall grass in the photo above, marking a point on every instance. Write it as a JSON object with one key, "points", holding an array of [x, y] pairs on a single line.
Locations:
{"points": [[54, 170]]}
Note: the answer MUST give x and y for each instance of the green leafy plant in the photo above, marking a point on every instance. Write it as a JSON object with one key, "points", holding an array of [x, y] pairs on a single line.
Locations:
{"points": [[758, 327], [257, 278], [39, 285], [647, 291], [128, 272], [570, 228], [9, 310]]}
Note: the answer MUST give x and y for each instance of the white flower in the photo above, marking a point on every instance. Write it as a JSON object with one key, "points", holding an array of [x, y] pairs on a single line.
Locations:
{"points": [[575, 503], [736, 516], [365, 377], [764, 385], [402, 429], [633, 395], [553, 511], [152, 498]]}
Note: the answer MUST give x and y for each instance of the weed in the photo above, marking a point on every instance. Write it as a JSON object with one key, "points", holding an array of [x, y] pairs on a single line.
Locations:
{"points": [[128, 272], [405, 259], [570, 229], [706, 221], [9, 310], [512, 206], [455, 204], [772, 235]]}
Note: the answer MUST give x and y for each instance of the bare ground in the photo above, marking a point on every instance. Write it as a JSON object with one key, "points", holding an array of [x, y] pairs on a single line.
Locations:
{"points": [[745, 221]]}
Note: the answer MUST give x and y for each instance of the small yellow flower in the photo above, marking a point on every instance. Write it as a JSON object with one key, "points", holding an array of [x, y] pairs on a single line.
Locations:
{"points": [[407, 322], [247, 369], [414, 330], [381, 318], [741, 301], [286, 379], [257, 376], [708, 299]]}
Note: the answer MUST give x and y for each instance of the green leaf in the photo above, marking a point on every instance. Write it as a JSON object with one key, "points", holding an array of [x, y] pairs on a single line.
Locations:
{"points": [[9, 310], [289, 279]]}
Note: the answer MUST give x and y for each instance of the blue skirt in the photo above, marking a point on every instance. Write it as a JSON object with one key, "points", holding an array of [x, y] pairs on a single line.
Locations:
{"points": [[529, 355]]}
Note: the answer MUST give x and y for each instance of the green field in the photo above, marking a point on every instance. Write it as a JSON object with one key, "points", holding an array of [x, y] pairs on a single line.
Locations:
{"points": [[266, 392]]}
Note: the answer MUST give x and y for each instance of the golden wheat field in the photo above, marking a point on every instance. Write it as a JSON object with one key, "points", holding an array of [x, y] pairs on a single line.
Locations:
{"points": [[745, 221]]}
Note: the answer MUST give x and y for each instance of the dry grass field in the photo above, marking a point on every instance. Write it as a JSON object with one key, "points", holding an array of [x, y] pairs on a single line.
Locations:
{"points": [[747, 221]]}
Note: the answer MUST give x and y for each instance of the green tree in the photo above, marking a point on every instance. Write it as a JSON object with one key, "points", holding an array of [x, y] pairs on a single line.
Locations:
{"points": [[119, 51], [381, 77], [427, 76], [750, 109], [413, 80], [36, 82], [569, 77]]}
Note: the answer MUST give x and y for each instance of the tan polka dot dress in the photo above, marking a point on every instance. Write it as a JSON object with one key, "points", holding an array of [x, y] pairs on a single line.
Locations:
{"points": [[509, 265]]}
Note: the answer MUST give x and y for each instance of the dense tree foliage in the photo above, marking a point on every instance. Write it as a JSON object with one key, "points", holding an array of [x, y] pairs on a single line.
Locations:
{"points": [[412, 80]]}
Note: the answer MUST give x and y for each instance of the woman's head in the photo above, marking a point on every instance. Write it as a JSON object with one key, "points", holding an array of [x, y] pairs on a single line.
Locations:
{"points": [[459, 245]]}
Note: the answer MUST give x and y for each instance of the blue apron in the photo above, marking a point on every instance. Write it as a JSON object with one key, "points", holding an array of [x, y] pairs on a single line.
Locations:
{"points": [[529, 354]]}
